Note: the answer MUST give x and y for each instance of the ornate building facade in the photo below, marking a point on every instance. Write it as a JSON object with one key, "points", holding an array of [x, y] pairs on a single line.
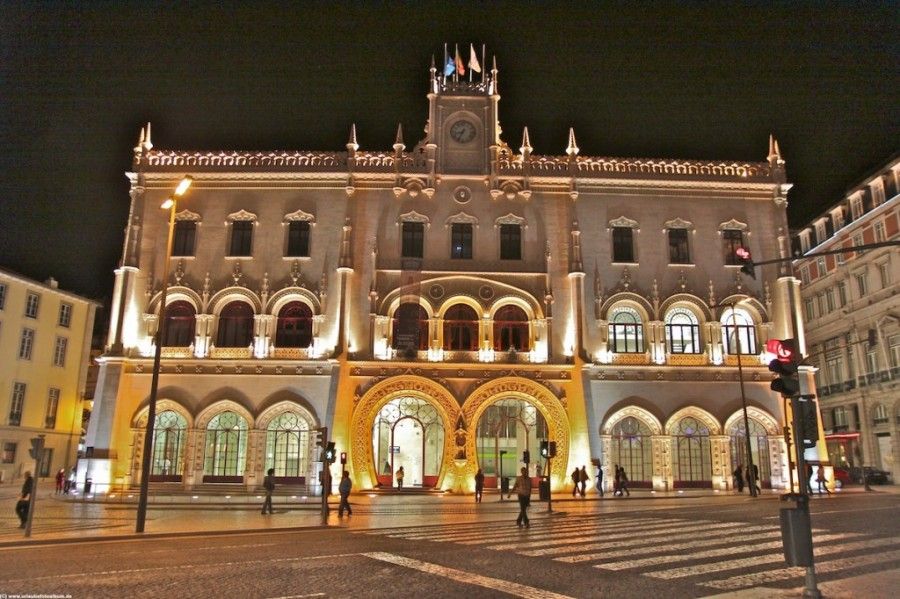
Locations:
{"points": [[852, 309], [444, 308]]}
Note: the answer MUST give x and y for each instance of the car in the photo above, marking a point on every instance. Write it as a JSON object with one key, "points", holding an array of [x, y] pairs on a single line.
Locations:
{"points": [[842, 477], [876, 476]]}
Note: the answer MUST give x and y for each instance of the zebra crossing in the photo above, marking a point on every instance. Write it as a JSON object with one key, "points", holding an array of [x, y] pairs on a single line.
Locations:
{"points": [[721, 555]]}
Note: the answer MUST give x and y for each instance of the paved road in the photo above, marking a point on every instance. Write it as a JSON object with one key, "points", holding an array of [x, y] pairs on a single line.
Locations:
{"points": [[662, 548]]}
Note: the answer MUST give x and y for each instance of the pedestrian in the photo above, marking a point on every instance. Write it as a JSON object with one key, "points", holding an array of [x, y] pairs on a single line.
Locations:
{"points": [[479, 485], [809, 473], [387, 467], [583, 478], [70, 482], [522, 489], [576, 480], [269, 486], [755, 480], [600, 480], [344, 489], [400, 477], [821, 480], [738, 475], [623, 482], [60, 479], [617, 476], [24, 500]]}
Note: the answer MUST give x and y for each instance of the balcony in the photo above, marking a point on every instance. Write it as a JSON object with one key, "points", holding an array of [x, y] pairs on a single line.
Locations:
{"points": [[687, 359], [641, 359], [290, 353], [177, 352], [231, 353]]}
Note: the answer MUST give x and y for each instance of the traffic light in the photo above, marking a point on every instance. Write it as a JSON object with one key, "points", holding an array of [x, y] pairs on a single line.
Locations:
{"points": [[551, 447], [37, 448], [545, 449], [526, 456], [787, 358], [343, 458], [321, 437], [329, 452], [746, 261], [809, 421]]}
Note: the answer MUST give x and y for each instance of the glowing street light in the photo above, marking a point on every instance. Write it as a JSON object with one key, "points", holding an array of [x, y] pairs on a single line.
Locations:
{"points": [[171, 205]]}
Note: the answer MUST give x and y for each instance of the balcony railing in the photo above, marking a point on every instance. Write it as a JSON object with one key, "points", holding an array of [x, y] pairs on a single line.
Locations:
{"points": [[177, 352], [687, 359], [231, 353], [290, 353], [631, 359]]}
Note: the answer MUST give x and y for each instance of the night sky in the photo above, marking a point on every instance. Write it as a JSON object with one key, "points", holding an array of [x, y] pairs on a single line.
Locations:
{"points": [[690, 80]]}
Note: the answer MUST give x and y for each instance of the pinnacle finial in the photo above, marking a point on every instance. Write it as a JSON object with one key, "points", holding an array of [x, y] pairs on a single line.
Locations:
{"points": [[526, 143], [774, 156], [148, 145], [572, 150], [352, 145], [399, 146], [140, 144]]}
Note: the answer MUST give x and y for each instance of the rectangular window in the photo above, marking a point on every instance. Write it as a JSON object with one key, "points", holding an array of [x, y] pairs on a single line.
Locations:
{"points": [[17, 402], [879, 231], [46, 462], [241, 238], [623, 244], [413, 241], [9, 453], [59, 352], [840, 417], [862, 284], [884, 271], [841, 258], [510, 242], [804, 275], [842, 294], [185, 234], [829, 299], [858, 240], [32, 302], [679, 252], [871, 362], [65, 315], [298, 239], [810, 310], [894, 344], [732, 239], [461, 241], [26, 343], [52, 407], [2, 295], [820, 305], [820, 266], [856, 207]]}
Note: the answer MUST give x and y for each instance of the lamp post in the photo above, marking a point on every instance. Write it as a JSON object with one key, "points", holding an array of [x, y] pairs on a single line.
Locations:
{"points": [[170, 204], [751, 476]]}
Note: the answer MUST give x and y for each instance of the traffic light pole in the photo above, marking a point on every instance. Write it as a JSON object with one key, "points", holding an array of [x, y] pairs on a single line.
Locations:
{"points": [[549, 489], [751, 475], [37, 452]]}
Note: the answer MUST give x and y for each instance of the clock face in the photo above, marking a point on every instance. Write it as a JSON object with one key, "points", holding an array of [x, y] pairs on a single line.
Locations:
{"points": [[462, 132]]}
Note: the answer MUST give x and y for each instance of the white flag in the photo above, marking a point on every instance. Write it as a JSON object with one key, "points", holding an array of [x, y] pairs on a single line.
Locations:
{"points": [[473, 60]]}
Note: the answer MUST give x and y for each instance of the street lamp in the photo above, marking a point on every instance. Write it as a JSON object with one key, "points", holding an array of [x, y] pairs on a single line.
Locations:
{"points": [[751, 476], [171, 205]]}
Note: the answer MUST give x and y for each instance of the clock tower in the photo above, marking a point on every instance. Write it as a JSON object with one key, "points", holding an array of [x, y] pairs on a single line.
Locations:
{"points": [[463, 126]]}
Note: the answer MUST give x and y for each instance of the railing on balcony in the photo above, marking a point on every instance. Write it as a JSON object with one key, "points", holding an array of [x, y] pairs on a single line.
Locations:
{"points": [[687, 359], [877, 421], [177, 352], [290, 353], [633, 359], [231, 353]]}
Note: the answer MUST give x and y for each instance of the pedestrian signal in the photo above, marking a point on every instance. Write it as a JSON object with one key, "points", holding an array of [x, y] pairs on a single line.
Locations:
{"points": [[37, 448], [809, 421], [743, 257], [321, 436], [526, 456], [545, 449], [787, 359], [343, 458], [329, 452]]}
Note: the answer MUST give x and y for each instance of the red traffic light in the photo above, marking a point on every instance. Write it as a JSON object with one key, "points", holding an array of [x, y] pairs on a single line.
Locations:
{"points": [[784, 350], [742, 253]]}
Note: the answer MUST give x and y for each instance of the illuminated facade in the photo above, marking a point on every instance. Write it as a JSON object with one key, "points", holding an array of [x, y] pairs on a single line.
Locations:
{"points": [[445, 308], [45, 342], [853, 311]]}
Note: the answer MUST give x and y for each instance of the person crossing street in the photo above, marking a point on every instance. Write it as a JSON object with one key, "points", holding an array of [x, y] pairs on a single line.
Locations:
{"points": [[522, 489]]}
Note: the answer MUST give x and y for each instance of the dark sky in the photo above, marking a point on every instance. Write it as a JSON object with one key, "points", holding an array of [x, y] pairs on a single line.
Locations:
{"points": [[688, 80]]}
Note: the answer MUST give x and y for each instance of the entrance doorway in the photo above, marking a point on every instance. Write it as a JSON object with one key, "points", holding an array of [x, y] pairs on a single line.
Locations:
{"points": [[408, 433], [505, 431]]}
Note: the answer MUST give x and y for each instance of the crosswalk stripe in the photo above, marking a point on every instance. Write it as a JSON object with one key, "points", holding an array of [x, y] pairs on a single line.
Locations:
{"points": [[828, 567], [683, 557], [549, 546], [771, 558], [655, 546], [452, 531], [507, 531], [469, 526], [552, 534]]}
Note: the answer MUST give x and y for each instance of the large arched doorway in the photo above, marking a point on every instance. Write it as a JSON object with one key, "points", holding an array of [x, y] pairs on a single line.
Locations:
{"points": [[226, 449], [507, 428], [691, 454], [631, 448], [287, 448], [169, 436], [408, 433], [759, 448]]}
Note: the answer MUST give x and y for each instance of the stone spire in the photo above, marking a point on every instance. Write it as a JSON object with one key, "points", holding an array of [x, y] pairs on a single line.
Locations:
{"points": [[573, 149], [352, 146], [399, 146], [774, 156], [526, 144]]}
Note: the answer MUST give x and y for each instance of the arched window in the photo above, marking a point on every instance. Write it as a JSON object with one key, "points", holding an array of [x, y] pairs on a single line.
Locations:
{"points": [[294, 326], [409, 329], [180, 319], [759, 448], [737, 326], [682, 332], [226, 448], [287, 447], [692, 454], [461, 328], [626, 332], [235, 325], [511, 329], [631, 448], [506, 429], [880, 414], [169, 436]]}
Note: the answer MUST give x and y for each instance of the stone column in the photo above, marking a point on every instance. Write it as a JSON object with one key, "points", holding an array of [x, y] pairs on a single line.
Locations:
{"points": [[203, 324], [663, 479], [192, 471], [606, 461], [719, 446], [263, 326], [137, 454], [778, 461], [255, 459]]}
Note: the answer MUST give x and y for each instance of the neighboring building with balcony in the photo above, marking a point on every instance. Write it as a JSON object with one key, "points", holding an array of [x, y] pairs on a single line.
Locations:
{"points": [[45, 341], [444, 308], [851, 308]]}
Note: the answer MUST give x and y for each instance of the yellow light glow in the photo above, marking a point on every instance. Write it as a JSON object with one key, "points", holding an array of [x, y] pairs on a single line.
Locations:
{"points": [[183, 185], [167, 204]]}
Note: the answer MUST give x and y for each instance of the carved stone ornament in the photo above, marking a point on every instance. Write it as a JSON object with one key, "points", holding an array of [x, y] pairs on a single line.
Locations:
{"points": [[187, 215], [236, 274], [733, 225], [462, 218], [295, 273], [300, 216], [414, 217], [179, 272], [242, 215], [623, 222], [462, 194], [678, 223], [510, 219]]}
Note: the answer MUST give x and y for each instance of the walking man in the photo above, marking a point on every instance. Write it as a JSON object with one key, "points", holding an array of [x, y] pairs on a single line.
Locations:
{"points": [[821, 480], [576, 480], [60, 479], [583, 478], [269, 486], [479, 485], [522, 489], [344, 489], [617, 478], [400, 477], [24, 500], [754, 470], [600, 480], [623, 482], [738, 475]]}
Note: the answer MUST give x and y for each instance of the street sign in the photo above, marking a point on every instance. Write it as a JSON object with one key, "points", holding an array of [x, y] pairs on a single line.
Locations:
{"points": [[395, 449]]}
